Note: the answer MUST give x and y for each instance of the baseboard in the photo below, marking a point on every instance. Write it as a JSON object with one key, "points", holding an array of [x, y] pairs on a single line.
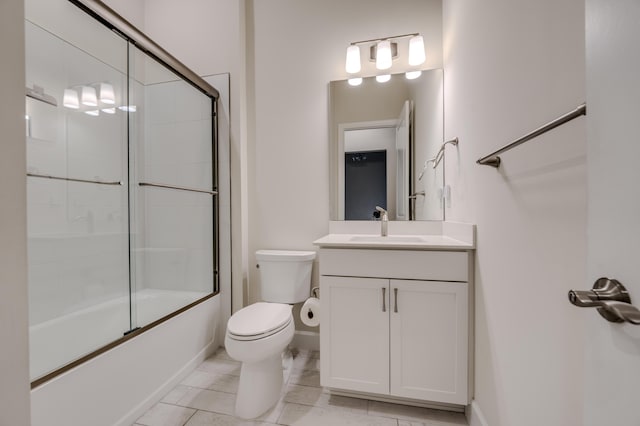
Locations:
{"points": [[309, 340], [397, 400], [144, 406], [475, 416]]}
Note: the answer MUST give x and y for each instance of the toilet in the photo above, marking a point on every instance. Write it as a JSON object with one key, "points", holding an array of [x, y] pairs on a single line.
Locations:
{"points": [[258, 334]]}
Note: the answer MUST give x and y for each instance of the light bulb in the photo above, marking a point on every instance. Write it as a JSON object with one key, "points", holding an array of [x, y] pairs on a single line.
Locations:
{"points": [[383, 78], [383, 55], [416, 50], [355, 81], [88, 96], [353, 59], [107, 96], [70, 99], [411, 75]]}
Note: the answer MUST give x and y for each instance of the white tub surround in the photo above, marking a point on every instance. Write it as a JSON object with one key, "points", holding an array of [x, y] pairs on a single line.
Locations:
{"points": [[397, 317]]}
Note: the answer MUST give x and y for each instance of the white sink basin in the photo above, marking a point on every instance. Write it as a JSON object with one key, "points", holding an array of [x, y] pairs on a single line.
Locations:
{"points": [[387, 239]]}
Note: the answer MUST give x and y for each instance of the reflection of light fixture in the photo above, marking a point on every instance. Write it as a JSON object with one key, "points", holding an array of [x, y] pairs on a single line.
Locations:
{"points": [[109, 110], [128, 108], [412, 75], [355, 81], [353, 59], [384, 50], [70, 99], [107, 96], [94, 112], [88, 96], [383, 78]]}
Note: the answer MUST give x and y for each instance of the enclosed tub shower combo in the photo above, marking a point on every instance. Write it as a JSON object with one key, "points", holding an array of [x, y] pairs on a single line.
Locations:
{"points": [[121, 184]]}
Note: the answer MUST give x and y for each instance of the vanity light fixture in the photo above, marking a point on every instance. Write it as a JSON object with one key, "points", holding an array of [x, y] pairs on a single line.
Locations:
{"points": [[384, 50], [357, 81], [383, 78], [353, 59], [383, 55], [416, 50], [412, 75], [88, 96]]}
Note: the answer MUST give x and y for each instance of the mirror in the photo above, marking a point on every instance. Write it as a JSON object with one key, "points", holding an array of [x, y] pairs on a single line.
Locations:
{"points": [[383, 138]]}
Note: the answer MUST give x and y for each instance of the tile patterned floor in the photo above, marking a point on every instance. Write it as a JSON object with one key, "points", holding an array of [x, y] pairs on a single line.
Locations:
{"points": [[207, 397]]}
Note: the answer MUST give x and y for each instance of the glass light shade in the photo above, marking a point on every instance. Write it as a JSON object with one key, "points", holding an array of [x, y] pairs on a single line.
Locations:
{"points": [[353, 59], [109, 110], [355, 81], [88, 96], [383, 78], [416, 50], [383, 55], [70, 99], [411, 75], [94, 112], [107, 96]]}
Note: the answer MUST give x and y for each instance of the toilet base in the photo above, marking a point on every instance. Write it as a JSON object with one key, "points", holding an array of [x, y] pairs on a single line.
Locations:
{"points": [[260, 386]]}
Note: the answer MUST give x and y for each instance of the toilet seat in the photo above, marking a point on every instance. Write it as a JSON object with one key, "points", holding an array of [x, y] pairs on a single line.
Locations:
{"points": [[258, 321]]}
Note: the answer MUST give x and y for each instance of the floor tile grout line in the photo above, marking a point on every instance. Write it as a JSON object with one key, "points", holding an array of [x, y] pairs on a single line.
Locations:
{"points": [[192, 414]]}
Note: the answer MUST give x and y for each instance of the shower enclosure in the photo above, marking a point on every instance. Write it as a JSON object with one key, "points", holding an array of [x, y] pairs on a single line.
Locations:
{"points": [[121, 185]]}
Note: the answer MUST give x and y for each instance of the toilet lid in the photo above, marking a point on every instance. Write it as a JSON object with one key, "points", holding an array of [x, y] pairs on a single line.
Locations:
{"points": [[259, 319]]}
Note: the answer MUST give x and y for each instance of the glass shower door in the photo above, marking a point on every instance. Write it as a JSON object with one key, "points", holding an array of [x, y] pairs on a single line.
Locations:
{"points": [[76, 141], [173, 190]]}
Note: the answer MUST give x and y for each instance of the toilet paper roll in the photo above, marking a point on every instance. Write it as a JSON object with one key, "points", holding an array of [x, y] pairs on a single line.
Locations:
{"points": [[310, 312]]}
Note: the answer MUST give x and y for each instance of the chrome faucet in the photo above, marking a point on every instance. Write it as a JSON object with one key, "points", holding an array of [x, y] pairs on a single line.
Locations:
{"points": [[384, 221]]}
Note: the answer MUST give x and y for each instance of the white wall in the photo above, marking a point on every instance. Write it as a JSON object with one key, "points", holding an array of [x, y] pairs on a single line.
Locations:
{"points": [[300, 46], [509, 68], [14, 358]]}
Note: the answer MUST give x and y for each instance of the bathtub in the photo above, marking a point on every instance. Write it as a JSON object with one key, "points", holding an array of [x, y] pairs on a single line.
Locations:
{"points": [[119, 385], [56, 342]]}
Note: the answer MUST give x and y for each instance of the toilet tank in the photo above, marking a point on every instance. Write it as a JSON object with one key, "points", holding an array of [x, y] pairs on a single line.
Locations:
{"points": [[285, 275]]}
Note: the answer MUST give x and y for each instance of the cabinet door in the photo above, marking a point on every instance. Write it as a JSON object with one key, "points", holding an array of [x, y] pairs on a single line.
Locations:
{"points": [[429, 340], [354, 334]]}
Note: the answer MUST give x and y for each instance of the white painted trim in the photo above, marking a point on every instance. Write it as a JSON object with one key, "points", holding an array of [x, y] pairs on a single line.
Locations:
{"points": [[476, 417], [160, 392], [306, 340]]}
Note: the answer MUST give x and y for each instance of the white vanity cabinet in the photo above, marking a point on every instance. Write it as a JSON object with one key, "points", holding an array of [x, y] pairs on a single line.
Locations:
{"points": [[395, 323]]}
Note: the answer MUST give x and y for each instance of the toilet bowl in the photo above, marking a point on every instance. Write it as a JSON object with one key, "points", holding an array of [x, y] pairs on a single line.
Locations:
{"points": [[258, 334], [259, 337]]}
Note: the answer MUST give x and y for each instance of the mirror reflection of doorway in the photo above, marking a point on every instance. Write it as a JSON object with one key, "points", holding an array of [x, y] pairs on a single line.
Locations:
{"points": [[365, 183]]}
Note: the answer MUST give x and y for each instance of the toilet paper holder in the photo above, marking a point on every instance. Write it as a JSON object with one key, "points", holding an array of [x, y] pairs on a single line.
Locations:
{"points": [[315, 292]]}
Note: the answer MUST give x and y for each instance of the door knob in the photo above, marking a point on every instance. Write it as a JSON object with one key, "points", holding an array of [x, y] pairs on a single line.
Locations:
{"points": [[610, 298]]}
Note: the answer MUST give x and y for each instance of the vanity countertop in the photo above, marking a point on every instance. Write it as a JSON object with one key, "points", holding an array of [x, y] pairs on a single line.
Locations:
{"points": [[405, 235], [415, 242]]}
